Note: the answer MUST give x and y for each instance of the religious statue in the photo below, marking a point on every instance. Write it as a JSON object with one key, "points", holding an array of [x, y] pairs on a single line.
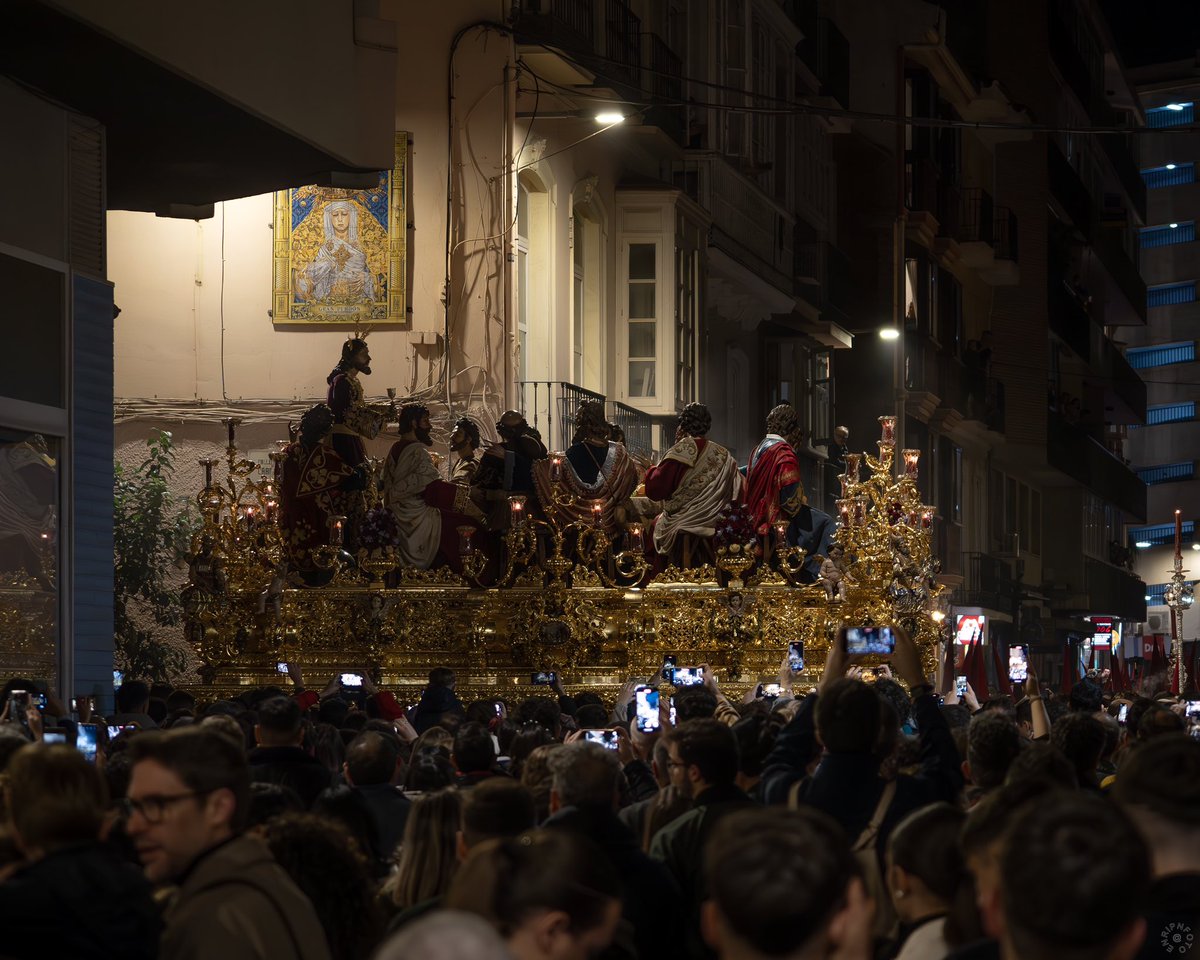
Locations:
{"points": [[834, 574], [507, 468], [596, 470], [353, 418], [463, 444], [428, 510], [695, 481], [315, 486], [773, 487]]}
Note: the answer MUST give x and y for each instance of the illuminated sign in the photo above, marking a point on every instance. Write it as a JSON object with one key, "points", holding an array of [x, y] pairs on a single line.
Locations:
{"points": [[1106, 633], [970, 628]]}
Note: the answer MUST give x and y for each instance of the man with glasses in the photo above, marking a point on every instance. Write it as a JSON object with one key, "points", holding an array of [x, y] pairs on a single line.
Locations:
{"points": [[187, 803]]}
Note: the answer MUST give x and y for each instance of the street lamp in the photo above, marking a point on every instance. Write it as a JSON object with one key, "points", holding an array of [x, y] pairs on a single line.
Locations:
{"points": [[889, 333]]}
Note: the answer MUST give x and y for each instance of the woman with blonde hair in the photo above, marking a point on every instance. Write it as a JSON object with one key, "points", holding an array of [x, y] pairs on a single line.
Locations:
{"points": [[428, 853]]}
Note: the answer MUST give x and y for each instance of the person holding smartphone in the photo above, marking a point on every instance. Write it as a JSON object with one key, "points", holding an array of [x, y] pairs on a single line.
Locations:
{"points": [[844, 718]]}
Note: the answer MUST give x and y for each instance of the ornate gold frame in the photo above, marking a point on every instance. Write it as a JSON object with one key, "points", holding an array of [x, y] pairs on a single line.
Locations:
{"points": [[287, 310]]}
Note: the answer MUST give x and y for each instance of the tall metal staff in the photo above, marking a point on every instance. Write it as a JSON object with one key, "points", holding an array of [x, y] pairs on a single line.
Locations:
{"points": [[1178, 596]]}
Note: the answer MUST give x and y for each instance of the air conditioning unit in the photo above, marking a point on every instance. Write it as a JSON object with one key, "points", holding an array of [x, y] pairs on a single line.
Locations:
{"points": [[1154, 623]]}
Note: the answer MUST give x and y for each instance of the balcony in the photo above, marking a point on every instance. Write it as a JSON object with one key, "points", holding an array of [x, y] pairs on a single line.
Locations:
{"points": [[1064, 26], [1068, 188], [566, 23], [1126, 280], [823, 278], [748, 224], [1069, 318], [827, 52], [1114, 591], [622, 41], [1117, 148], [1124, 390], [552, 406], [1073, 451], [987, 582], [664, 80]]}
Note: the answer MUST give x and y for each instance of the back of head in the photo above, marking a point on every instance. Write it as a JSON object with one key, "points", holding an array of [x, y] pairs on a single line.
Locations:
{"points": [[446, 935], [269, 800], [1080, 737], [544, 712], [1159, 784], [694, 703], [441, 677], [428, 850], [591, 716], [350, 810], [848, 717], [371, 759], [894, 694], [777, 878], [474, 750], [1045, 762], [56, 798], [181, 700], [279, 722], [989, 820], [1086, 696], [1157, 720], [755, 735], [496, 808], [132, 697], [993, 743], [585, 775], [925, 845], [203, 759], [1062, 859], [510, 881], [333, 711], [429, 769], [711, 746]]}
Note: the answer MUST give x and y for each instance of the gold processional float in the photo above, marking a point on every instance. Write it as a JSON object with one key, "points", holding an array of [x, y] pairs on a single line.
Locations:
{"points": [[565, 597]]}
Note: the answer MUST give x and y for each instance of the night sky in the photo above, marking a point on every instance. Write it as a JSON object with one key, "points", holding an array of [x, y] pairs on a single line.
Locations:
{"points": [[1154, 31]]}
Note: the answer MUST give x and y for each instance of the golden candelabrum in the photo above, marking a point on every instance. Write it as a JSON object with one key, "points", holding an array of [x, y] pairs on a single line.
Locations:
{"points": [[559, 589]]}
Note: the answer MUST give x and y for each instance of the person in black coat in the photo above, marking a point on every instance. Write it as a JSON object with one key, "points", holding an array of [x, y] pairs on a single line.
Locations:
{"points": [[584, 792], [75, 896], [372, 767], [846, 718], [279, 758], [437, 701]]}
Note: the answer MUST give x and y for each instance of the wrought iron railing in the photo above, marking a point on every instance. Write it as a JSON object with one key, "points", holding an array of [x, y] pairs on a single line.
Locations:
{"points": [[562, 21], [622, 40], [552, 408], [977, 217]]}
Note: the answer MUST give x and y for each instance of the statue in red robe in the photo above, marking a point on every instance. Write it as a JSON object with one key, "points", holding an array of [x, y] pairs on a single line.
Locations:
{"points": [[315, 485], [774, 491]]}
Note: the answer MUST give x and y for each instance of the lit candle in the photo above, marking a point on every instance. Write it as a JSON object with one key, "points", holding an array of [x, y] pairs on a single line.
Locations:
{"points": [[853, 462], [516, 505], [911, 458], [270, 512], [860, 509], [635, 537], [888, 428], [843, 507], [336, 530], [597, 513], [781, 529], [1178, 533], [465, 547], [556, 467], [927, 513], [249, 512]]}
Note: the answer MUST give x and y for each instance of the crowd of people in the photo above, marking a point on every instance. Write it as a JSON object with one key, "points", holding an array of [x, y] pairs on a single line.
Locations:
{"points": [[868, 817]]}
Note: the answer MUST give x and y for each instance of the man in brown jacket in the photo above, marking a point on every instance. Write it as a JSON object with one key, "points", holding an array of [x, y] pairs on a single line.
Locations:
{"points": [[187, 802]]}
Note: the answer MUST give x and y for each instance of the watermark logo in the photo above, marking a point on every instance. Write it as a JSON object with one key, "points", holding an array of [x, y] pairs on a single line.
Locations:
{"points": [[1177, 938]]}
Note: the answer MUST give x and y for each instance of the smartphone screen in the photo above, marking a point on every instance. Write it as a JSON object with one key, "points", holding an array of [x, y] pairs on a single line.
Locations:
{"points": [[118, 678], [606, 738], [281, 667], [1123, 713], [796, 656], [668, 669], [1193, 711], [545, 678], [115, 730], [960, 686], [54, 736], [85, 741], [687, 676], [646, 699], [351, 680], [769, 691], [864, 640], [1018, 663]]}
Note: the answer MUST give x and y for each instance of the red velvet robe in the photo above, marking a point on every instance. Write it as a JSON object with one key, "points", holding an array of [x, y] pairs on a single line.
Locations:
{"points": [[311, 491], [773, 488]]}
